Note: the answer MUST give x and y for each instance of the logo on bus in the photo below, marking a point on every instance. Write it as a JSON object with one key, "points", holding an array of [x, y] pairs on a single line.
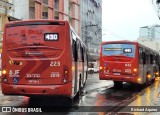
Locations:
{"points": [[15, 80], [15, 62], [14, 73]]}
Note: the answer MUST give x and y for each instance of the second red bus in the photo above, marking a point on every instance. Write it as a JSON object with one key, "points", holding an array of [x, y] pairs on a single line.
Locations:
{"points": [[126, 61]]}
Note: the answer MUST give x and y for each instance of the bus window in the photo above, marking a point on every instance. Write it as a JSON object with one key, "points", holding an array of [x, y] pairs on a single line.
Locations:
{"points": [[127, 50], [151, 58], [140, 56], [74, 46], [79, 50], [144, 57], [157, 59], [82, 52], [147, 57]]}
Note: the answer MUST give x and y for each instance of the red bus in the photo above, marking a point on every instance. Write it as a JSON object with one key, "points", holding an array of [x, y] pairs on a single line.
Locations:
{"points": [[42, 57], [126, 61]]}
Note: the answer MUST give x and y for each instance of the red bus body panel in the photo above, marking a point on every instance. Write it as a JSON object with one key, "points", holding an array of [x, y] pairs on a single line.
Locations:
{"points": [[119, 68], [35, 66]]}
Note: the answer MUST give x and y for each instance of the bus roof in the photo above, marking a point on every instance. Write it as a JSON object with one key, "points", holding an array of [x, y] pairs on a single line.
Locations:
{"points": [[130, 42], [35, 22], [120, 41]]}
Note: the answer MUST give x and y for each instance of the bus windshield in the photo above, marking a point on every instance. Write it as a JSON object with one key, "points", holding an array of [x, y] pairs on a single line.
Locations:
{"points": [[127, 50]]}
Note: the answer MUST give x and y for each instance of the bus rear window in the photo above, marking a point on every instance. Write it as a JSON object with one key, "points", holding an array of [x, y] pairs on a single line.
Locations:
{"points": [[31, 35], [127, 50]]}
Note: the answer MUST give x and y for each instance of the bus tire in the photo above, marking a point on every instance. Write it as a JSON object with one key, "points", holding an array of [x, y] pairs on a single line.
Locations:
{"points": [[79, 92], [118, 84], [70, 101], [85, 80]]}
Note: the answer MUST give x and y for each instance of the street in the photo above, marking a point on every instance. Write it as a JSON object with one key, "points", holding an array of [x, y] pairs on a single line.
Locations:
{"points": [[97, 96]]}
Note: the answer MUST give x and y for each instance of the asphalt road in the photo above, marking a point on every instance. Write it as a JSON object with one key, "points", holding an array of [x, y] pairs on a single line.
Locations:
{"points": [[98, 97]]}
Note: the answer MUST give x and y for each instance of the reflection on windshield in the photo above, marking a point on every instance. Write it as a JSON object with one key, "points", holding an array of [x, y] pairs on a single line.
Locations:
{"points": [[127, 50]]}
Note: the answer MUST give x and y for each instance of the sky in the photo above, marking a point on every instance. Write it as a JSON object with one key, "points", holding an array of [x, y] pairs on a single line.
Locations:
{"points": [[122, 19]]}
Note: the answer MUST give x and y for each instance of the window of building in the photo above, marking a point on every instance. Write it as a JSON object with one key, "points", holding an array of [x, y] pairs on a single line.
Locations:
{"points": [[45, 2], [56, 15], [45, 15], [56, 4]]}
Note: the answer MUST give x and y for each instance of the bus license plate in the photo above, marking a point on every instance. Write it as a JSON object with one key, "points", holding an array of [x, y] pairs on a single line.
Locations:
{"points": [[116, 73], [34, 81]]}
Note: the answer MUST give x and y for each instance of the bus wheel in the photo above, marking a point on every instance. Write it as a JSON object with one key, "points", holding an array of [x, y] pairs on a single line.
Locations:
{"points": [[80, 90], [85, 80], [118, 84], [69, 101]]}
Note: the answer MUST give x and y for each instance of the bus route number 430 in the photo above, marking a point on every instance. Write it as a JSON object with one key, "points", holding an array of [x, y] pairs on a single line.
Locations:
{"points": [[51, 36]]}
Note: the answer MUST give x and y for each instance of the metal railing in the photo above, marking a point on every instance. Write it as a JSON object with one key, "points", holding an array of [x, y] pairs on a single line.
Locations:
{"points": [[44, 17]]}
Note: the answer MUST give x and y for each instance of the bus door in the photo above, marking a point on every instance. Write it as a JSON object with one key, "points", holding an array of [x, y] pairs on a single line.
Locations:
{"points": [[84, 66], [144, 67], [141, 63], [74, 64], [79, 64]]}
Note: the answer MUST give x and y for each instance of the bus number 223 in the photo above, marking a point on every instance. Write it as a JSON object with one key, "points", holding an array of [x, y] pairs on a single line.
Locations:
{"points": [[55, 63]]}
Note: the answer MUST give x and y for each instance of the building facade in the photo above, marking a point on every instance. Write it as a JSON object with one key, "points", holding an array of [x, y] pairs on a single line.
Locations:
{"points": [[150, 36], [5, 8], [91, 24], [48, 9], [156, 6], [150, 32], [85, 16]]}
